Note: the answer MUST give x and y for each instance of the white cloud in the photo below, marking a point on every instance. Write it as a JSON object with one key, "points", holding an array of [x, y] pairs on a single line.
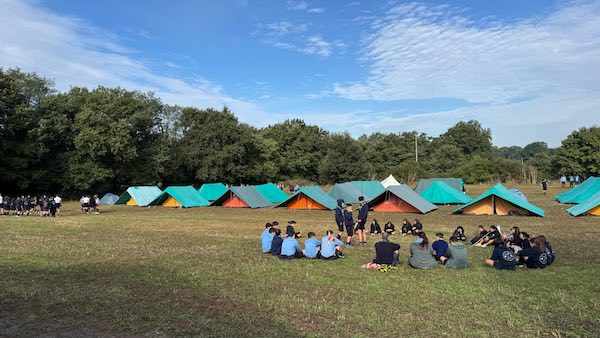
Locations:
{"points": [[73, 52], [304, 7]]}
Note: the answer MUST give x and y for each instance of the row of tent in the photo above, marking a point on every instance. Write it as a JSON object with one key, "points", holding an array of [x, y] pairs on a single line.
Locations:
{"points": [[586, 196], [385, 196]]}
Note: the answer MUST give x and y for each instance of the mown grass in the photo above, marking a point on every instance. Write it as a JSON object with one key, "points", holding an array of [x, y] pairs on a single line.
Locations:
{"points": [[165, 272]]}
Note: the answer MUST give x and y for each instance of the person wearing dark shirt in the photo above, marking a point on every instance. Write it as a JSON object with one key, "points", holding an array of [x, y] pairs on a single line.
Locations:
{"points": [[290, 229], [390, 228], [417, 227], [544, 186], [502, 258], [534, 257], [515, 242], [276, 243], [349, 224], [525, 244], [386, 252], [406, 227], [363, 213], [339, 218], [491, 236], [482, 233], [439, 246], [549, 250], [375, 228], [459, 233]]}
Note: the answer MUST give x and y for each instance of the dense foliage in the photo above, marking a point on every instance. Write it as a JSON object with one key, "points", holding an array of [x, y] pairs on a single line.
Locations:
{"points": [[108, 138]]}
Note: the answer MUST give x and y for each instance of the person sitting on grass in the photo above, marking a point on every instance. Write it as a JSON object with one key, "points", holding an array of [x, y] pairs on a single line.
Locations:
{"points": [[266, 239], [417, 227], [386, 252], [375, 228], [549, 250], [290, 248], [390, 228], [534, 257], [406, 227], [482, 233], [439, 246], [502, 258], [490, 237], [311, 246], [514, 240], [421, 253], [331, 247], [525, 243], [290, 228], [456, 256], [459, 233], [276, 243]]}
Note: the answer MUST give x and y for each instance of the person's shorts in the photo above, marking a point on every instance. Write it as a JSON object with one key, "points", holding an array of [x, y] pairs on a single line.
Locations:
{"points": [[349, 230], [85, 205], [340, 227], [499, 266], [57, 205], [360, 226], [332, 257]]}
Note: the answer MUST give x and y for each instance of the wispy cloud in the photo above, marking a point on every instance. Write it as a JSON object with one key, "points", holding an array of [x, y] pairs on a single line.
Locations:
{"points": [[294, 36], [304, 6]]}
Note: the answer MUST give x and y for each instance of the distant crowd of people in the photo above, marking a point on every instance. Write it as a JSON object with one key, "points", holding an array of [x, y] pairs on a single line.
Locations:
{"points": [[28, 205], [90, 204], [573, 180]]}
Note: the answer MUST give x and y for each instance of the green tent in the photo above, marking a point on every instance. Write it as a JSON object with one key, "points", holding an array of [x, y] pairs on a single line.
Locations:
{"points": [[272, 193], [441, 193], [345, 191], [243, 197], [180, 196], [369, 189], [309, 197], [401, 198], [580, 193], [499, 201], [589, 207], [212, 191], [140, 195], [456, 183]]}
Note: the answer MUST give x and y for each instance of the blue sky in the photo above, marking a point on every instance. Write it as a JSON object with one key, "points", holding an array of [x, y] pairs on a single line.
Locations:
{"points": [[529, 70]]}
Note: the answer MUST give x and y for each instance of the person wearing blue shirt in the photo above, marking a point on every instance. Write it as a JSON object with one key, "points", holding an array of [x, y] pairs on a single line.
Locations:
{"points": [[349, 223], [266, 239], [311, 246], [276, 243], [363, 212], [290, 248], [331, 247], [439, 246]]}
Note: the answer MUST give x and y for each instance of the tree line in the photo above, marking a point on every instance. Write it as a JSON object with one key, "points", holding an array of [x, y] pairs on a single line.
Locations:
{"points": [[105, 139]]}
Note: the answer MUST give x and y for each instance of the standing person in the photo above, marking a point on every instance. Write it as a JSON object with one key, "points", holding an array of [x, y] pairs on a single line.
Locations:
{"points": [[349, 223], [92, 204], [52, 207], [456, 256], [27, 205], [1, 205], [387, 252], [563, 180], [544, 185], [571, 181], [421, 253], [339, 218], [19, 204], [363, 213], [576, 179], [45, 206], [331, 247], [58, 202]]}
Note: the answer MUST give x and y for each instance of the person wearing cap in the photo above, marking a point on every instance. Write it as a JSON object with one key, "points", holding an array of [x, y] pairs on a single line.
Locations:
{"points": [[266, 239], [290, 248], [363, 212], [339, 218], [349, 223], [311, 246], [331, 246], [386, 252]]}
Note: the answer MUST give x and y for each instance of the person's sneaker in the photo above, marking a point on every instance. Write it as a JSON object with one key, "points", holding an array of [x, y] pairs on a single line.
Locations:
{"points": [[349, 245]]}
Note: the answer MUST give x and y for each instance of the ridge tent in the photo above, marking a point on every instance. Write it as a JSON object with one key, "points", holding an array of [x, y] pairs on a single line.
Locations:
{"points": [[310, 197], [441, 193], [589, 207], [272, 193], [389, 181], [456, 183], [580, 193], [519, 194], [499, 201], [369, 189], [180, 197], [242, 197], [139, 195], [345, 191], [401, 198], [109, 199], [212, 191]]}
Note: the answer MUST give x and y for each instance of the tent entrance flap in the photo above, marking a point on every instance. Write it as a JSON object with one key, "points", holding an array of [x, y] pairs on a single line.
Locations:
{"points": [[131, 202], [171, 202], [302, 201], [235, 202], [393, 203], [504, 208], [483, 207]]}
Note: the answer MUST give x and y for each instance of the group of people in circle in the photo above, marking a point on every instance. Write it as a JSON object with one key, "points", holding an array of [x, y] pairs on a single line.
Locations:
{"points": [[26, 205]]}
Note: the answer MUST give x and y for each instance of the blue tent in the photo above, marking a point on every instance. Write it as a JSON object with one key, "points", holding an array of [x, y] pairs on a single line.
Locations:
{"points": [[109, 199]]}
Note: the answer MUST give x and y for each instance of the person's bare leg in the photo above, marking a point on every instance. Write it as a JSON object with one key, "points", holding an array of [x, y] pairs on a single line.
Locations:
{"points": [[489, 262]]}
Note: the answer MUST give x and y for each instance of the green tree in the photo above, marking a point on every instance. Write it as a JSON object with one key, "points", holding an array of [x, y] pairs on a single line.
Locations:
{"points": [[384, 152], [470, 137], [580, 153], [344, 160]]}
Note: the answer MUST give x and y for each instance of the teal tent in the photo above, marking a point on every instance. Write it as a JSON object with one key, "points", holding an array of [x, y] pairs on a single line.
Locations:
{"points": [[345, 191], [369, 189], [272, 193], [401, 198], [310, 197], [580, 193], [181, 197], [456, 183], [499, 201], [590, 207], [212, 191], [140, 195], [242, 197], [109, 199], [441, 193]]}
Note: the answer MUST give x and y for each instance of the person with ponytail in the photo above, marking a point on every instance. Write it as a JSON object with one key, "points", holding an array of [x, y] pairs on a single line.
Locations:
{"points": [[422, 255]]}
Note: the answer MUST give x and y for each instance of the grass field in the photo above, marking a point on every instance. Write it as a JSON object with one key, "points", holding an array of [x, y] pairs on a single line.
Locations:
{"points": [[164, 272]]}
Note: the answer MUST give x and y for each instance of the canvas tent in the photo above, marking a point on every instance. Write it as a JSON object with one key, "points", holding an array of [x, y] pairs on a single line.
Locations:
{"points": [[272, 193], [401, 198], [519, 194], [580, 193], [212, 191], [369, 189], [499, 201], [310, 197], [589, 207], [441, 193], [345, 191], [109, 199], [456, 183], [242, 197], [389, 181], [140, 195], [180, 197]]}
